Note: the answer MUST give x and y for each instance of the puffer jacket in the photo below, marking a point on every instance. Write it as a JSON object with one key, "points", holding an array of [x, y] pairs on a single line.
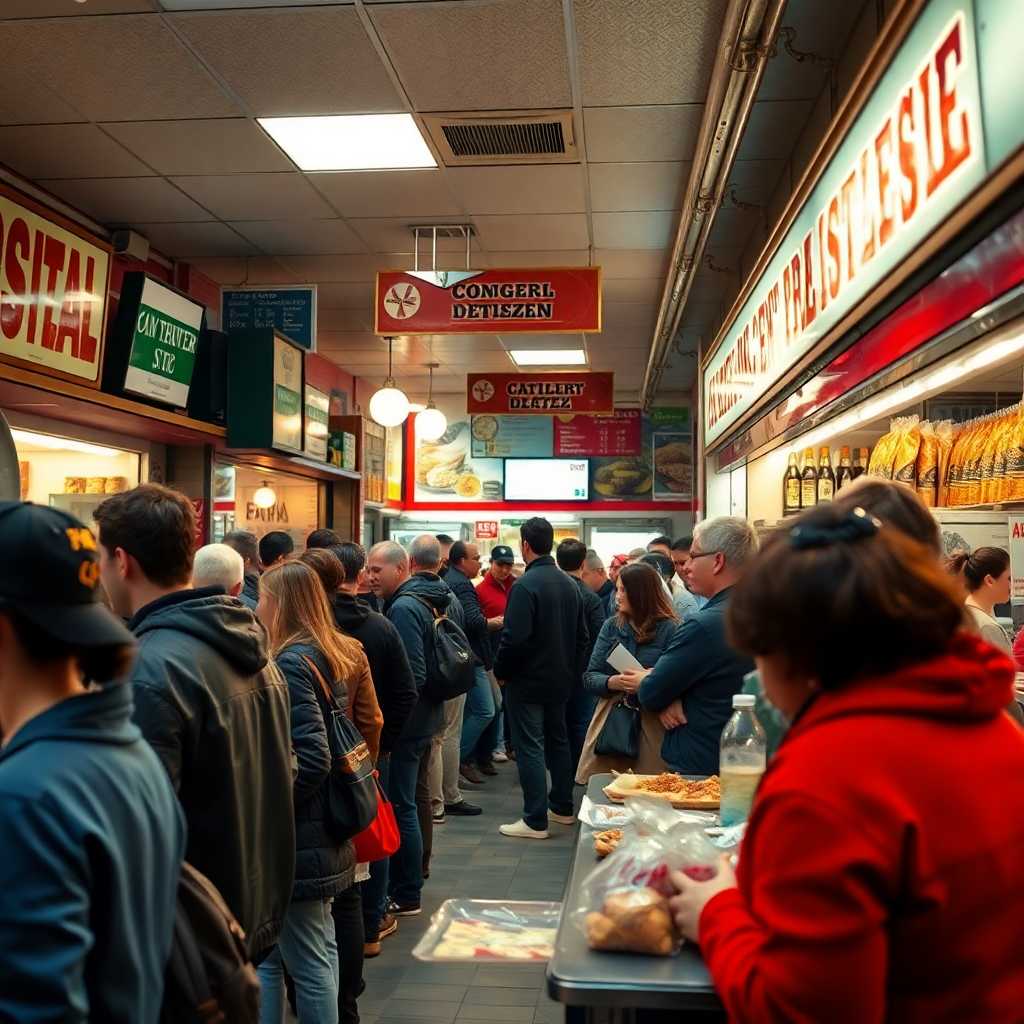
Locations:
{"points": [[323, 867]]}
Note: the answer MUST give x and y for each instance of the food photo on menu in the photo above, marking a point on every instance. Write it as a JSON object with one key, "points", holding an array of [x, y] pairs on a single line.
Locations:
{"points": [[446, 469]]}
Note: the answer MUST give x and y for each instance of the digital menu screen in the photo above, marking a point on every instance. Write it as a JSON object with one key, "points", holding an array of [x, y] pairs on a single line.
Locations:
{"points": [[547, 479]]}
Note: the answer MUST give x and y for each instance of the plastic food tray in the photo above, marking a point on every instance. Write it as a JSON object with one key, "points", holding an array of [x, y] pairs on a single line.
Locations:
{"points": [[490, 931]]}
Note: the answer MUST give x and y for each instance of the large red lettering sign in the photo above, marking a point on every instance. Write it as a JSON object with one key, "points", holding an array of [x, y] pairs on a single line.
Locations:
{"points": [[524, 393]]}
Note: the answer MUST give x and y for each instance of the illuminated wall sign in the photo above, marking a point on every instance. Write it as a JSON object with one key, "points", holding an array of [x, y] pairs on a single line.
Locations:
{"points": [[506, 301], [913, 153], [547, 479], [518, 393], [54, 293]]}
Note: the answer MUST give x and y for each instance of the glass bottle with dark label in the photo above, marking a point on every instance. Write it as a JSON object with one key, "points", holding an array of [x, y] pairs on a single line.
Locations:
{"points": [[809, 481], [844, 474], [860, 463], [826, 476], [791, 487]]}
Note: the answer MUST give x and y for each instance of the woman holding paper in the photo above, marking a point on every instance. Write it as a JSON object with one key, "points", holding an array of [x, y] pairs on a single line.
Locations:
{"points": [[634, 638]]}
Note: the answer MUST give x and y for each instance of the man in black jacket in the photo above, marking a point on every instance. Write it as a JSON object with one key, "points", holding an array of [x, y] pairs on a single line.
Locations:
{"points": [[579, 709], [246, 544], [478, 714], [540, 659], [210, 703]]}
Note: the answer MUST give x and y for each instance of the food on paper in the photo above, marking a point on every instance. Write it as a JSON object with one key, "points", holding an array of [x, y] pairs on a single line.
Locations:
{"points": [[697, 794], [605, 842], [633, 921], [468, 485], [495, 931]]}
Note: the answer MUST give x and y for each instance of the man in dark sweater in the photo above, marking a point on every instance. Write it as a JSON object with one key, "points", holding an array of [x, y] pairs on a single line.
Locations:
{"points": [[540, 659]]}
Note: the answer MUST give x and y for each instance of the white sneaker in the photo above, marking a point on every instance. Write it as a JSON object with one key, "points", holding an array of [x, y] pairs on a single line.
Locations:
{"points": [[520, 830], [499, 757], [562, 819]]}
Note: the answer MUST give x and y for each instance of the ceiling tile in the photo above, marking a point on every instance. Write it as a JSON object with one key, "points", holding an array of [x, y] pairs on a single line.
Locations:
{"points": [[732, 226], [66, 151], [13, 9], [631, 263], [642, 133], [128, 200], [558, 258], [646, 51], [123, 68], [344, 296], [345, 319], [634, 230], [255, 196], [755, 180], [24, 99], [649, 186], [341, 268], [773, 129], [628, 314], [394, 236], [251, 270], [644, 289], [459, 56], [184, 241], [288, 62], [530, 233], [205, 146], [387, 193], [551, 188], [300, 237]]}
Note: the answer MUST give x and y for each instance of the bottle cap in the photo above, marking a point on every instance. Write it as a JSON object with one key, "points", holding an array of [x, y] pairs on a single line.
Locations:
{"points": [[743, 700]]}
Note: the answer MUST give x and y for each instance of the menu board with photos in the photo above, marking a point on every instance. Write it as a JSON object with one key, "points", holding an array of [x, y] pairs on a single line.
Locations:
{"points": [[619, 433], [525, 437]]}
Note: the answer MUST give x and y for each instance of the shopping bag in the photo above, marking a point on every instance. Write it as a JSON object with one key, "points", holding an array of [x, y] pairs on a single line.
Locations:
{"points": [[380, 839]]}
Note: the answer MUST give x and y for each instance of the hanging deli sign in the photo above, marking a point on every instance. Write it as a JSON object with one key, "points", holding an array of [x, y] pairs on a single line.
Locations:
{"points": [[507, 301], [518, 393], [54, 292], [913, 153]]}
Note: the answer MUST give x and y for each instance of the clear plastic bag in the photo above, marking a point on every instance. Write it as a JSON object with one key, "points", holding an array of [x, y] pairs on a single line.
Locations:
{"points": [[623, 904], [490, 931]]}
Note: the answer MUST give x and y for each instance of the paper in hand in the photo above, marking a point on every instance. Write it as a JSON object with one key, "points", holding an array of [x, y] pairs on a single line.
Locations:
{"points": [[622, 661]]}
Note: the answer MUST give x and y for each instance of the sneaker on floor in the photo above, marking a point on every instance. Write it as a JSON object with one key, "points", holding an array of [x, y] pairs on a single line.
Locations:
{"points": [[487, 767], [438, 819], [403, 909], [470, 774], [371, 949], [388, 926], [499, 757], [562, 819], [520, 830], [463, 807]]}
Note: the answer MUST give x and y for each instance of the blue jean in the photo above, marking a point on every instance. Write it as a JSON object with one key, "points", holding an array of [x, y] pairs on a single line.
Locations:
{"points": [[375, 888], [307, 947], [406, 869], [477, 714], [578, 713], [539, 738]]}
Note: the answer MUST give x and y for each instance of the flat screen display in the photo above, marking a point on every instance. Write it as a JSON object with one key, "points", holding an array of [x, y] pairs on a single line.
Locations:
{"points": [[547, 479]]}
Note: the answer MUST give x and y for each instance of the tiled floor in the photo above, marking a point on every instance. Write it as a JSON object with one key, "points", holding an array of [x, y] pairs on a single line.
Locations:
{"points": [[471, 859]]}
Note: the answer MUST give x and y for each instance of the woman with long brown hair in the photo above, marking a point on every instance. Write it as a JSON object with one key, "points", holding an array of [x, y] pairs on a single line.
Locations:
{"points": [[311, 654], [644, 624]]}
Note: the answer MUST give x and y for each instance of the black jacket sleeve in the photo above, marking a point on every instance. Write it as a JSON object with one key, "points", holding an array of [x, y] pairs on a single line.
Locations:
{"points": [[309, 733], [396, 693], [517, 635]]}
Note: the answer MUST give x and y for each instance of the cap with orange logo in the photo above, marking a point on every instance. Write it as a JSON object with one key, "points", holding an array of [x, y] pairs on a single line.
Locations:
{"points": [[52, 575]]}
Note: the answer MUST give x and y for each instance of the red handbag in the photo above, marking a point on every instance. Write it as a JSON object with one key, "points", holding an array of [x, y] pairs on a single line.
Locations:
{"points": [[380, 838]]}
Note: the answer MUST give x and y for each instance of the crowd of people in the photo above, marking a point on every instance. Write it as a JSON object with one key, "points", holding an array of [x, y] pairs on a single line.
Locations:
{"points": [[882, 677]]}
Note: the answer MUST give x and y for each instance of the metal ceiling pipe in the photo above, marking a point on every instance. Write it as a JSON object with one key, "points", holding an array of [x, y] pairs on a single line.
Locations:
{"points": [[747, 34]]}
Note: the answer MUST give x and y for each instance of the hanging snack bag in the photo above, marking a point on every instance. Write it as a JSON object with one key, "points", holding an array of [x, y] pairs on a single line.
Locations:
{"points": [[945, 435], [973, 477], [927, 468], [993, 463], [880, 463], [987, 459], [1013, 487], [908, 444]]}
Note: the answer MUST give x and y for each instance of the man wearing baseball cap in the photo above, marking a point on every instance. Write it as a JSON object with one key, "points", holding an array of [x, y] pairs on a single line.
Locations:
{"points": [[93, 837], [492, 591]]}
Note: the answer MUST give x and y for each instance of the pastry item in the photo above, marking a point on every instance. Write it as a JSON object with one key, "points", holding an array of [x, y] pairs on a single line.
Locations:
{"points": [[95, 484], [74, 485], [115, 485], [605, 842], [633, 921]]}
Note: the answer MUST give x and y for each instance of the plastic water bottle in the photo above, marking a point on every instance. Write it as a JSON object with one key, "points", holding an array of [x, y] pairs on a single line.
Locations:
{"points": [[743, 759]]}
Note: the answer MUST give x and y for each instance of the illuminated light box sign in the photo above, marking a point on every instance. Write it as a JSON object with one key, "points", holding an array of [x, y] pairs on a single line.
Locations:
{"points": [[54, 285], [505, 301], [519, 393], [291, 309], [915, 150], [547, 479]]}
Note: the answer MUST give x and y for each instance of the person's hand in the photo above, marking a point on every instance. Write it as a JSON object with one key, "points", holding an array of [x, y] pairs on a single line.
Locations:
{"points": [[632, 679], [498, 622], [616, 682], [694, 896], [673, 716]]}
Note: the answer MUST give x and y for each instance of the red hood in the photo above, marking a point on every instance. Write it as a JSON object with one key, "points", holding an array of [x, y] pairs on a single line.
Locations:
{"points": [[972, 680]]}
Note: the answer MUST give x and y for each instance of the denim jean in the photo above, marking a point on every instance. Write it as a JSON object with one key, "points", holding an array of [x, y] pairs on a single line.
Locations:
{"points": [[478, 713], [538, 735], [307, 947], [578, 713], [406, 869], [348, 930], [375, 888]]}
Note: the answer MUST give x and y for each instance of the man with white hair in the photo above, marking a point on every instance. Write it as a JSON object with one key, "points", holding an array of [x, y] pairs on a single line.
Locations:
{"points": [[693, 683], [218, 565]]}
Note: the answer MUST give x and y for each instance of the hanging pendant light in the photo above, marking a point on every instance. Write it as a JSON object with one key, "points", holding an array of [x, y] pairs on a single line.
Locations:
{"points": [[264, 497], [389, 406], [431, 423]]}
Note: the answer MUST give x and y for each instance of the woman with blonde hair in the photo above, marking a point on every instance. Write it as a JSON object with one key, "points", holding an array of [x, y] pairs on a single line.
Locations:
{"points": [[644, 624], [313, 656]]}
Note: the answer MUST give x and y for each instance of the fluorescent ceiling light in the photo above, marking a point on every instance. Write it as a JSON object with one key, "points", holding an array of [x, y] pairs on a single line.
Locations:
{"points": [[351, 142], [61, 444], [549, 356]]}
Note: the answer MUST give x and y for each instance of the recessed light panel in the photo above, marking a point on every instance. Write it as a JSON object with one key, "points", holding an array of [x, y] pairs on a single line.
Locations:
{"points": [[549, 356]]}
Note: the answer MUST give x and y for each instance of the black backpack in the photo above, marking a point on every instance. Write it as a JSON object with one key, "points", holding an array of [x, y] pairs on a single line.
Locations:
{"points": [[451, 663], [209, 978]]}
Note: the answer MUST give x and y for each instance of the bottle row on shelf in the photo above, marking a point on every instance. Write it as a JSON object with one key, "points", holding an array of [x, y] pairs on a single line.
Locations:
{"points": [[816, 480]]}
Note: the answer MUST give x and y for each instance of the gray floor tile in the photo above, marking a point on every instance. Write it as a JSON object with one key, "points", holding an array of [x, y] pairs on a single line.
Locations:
{"points": [[522, 1014], [485, 995]]}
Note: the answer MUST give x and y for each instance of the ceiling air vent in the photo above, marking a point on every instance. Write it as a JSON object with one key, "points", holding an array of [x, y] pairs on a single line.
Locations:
{"points": [[504, 137]]}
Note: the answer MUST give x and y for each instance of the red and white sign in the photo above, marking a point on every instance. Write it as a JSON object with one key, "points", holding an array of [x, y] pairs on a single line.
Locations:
{"points": [[522, 393], [486, 529], [618, 434], [54, 293], [506, 301]]}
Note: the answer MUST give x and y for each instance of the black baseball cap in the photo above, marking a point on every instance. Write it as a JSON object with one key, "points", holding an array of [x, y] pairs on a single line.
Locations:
{"points": [[52, 576], [502, 553]]}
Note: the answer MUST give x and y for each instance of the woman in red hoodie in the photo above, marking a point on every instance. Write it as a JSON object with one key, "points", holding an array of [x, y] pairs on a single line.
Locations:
{"points": [[880, 874]]}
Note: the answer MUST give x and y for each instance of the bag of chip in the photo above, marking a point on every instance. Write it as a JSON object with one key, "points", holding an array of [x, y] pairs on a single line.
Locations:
{"points": [[908, 443], [927, 468], [880, 463], [1013, 489], [945, 435]]}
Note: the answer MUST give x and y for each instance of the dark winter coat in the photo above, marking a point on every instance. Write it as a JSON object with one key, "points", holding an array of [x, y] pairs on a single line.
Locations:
{"points": [[593, 615], [473, 614], [323, 866], [595, 679], [216, 711], [250, 595], [389, 665]]}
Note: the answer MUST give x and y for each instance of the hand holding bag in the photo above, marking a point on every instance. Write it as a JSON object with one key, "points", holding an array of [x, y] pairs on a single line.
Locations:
{"points": [[620, 734]]}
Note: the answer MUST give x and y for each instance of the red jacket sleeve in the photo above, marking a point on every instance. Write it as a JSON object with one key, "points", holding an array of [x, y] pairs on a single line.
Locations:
{"points": [[803, 939]]}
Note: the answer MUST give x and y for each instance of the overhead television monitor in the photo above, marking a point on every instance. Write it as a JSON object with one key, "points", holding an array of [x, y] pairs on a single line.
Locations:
{"points": [[547, 479]]}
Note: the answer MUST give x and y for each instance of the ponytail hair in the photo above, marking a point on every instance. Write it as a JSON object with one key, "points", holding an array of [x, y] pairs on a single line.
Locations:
{"points": [[974, 566]]}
